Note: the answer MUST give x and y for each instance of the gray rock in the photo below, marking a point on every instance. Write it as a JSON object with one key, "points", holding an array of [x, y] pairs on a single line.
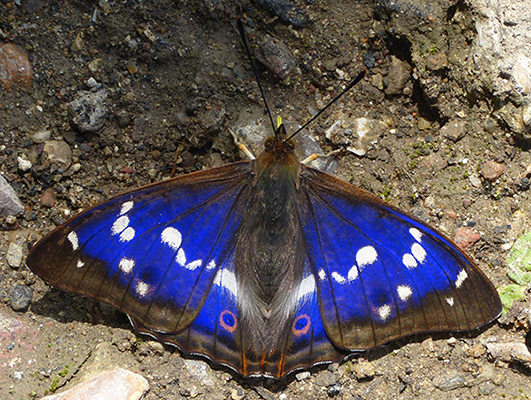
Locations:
{"points": [[326, 378], [9, 201], [399, 74], [14, 255], [89, 111], [118, 384], [454, 130], [20, 297]]}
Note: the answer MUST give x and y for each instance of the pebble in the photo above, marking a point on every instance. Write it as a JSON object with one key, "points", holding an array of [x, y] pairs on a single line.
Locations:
{"points": [[19, 297], [9, 201], [454, 130], [48, 199], [363, 370], [275, 56], [326, 378], [88, 112], [302, 375], [118, 384], [42, 136], [57, 152], [14, 255], [15, 67], [465, 238], [509, 352], [237, 394], [450, 380], [491, 170], [474, 180], [369, 60], [23, 164], [355, 133], [399, 74], [423, 124]]}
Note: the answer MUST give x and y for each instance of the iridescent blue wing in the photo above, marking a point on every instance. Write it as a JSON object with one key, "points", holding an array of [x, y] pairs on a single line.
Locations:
{"points": [[163, 254], [381, 274]]}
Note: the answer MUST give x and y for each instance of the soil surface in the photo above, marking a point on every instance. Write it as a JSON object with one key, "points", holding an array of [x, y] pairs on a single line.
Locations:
{"points": [[176, 78]]}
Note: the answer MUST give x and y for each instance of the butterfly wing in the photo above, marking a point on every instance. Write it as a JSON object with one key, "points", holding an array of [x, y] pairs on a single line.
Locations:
{"points": [[159, 254], [381, 274]]}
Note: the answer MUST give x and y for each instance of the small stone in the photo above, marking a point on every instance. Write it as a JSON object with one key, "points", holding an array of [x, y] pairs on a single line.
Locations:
{"points": [[9, 201], [42, 136], [369, 60], [450, 380], [454, 130], [20, 297], [423, 124], [118, 384], [510, 352], [237, 394], [325, 379], [356, 133], [363, 370], [474, 180], [78, 42], [275, 56], [15, 67], [377, 81], [14, 255], [57, 152], [465, 238], [302, 375], [89, 111], [23, 164], [452, 341], [131, 67], [399, 74], [476, 351], [491, 170], [48, 199]]}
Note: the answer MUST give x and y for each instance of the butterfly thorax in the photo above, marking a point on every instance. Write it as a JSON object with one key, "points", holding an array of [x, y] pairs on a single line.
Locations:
{"points": [[268, 254]]}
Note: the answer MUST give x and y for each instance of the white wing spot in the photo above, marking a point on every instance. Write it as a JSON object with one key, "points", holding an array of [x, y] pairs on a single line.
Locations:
{"points": [[450, 301], [126, 207], [416, 234], [322, 275], [409, 261], [418, 252], [366, 255], [172, 237], [352, 273], [142, 288], [338, 278], [181, 257], [120, 224], [193, 265], [307, 286], [461, 276], [80, 264], [74, 241], [227, 279], [127, 235], [211, 265], [126, 265], [404, 292], [384, 312]]}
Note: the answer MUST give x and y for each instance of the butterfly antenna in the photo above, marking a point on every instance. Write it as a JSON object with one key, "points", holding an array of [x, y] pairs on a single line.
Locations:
{"points": [[244, 40], [349, 86]]}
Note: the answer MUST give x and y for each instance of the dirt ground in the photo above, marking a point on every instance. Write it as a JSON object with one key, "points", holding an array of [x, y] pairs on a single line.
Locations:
{"points": [[177, 78]]}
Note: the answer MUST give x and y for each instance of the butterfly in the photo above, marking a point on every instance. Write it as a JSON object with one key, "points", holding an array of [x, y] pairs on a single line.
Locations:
{"points": [[266, 266]]}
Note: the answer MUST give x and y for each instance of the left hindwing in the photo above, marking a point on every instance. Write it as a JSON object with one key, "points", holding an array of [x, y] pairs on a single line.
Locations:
{"points": [[381, 274]]}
